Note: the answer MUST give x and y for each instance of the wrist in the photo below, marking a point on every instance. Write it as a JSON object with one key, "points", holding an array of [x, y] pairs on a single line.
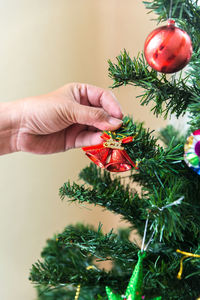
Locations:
{"points": [[9, 126]]}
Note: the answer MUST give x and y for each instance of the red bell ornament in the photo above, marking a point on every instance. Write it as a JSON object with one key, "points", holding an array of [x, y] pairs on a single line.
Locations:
{"points": [[168, 49], [98, 154], [118, 162], [110, 154]]}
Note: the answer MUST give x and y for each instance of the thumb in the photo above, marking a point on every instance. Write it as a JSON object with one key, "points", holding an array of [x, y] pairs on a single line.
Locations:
{"points": [[97, 117]]}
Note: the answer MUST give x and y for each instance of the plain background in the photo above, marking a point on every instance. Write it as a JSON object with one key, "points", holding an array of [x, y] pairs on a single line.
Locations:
{"points": [[43, 45]]}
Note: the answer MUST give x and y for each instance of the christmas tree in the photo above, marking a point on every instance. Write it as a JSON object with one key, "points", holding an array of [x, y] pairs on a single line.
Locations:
{"points": [[165, 207]]}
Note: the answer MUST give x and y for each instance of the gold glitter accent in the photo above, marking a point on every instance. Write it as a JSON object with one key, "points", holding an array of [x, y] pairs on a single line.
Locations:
{"points": [[189, 143], [90, 268], [137, 163], [77, 292], [79, 286], [186, 255], [113, 144]]}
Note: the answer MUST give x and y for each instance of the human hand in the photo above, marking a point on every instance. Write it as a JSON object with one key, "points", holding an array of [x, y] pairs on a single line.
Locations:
{"points": [[72, 116]]}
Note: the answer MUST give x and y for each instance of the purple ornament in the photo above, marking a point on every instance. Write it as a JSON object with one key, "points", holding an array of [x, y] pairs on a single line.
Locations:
{"points": [[197, 148], [192, 151]]}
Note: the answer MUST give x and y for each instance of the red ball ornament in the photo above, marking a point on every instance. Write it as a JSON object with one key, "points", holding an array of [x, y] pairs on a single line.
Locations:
{"points": [[168, 48]]}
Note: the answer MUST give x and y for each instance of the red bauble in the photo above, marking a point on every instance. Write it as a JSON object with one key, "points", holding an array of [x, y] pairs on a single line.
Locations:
{"points": [[168, 49]]}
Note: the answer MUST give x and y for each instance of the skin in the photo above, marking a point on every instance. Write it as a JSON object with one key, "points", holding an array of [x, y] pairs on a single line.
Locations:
{"points": [[70, 117]]}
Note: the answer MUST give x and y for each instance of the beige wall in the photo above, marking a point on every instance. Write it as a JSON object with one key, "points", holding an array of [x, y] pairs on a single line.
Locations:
{"points": [[43, 45]]}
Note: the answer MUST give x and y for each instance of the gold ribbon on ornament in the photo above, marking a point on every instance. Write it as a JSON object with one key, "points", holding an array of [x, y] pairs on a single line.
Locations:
{"points": [[186, 255]]}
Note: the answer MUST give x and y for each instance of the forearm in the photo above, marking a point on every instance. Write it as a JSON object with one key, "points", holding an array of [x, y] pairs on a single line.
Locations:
{"points": [[8, 127]]}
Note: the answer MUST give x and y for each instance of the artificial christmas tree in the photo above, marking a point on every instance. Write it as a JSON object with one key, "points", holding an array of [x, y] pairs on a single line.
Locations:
{"points": [[165, 211]]}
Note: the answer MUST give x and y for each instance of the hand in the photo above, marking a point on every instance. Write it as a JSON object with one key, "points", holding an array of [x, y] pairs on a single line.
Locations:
{"points": [[72, 116]]}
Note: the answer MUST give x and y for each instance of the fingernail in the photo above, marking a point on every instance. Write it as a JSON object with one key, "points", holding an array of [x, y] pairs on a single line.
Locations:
{"points": [[115, 121]]}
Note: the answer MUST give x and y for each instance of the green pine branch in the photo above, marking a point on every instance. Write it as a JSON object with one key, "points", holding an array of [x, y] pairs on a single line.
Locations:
{"points": [[194, 119], [167, 96], [67, 256], [134, 209], [170, 135], [181, 10], [114, 198], [101, 246]]}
